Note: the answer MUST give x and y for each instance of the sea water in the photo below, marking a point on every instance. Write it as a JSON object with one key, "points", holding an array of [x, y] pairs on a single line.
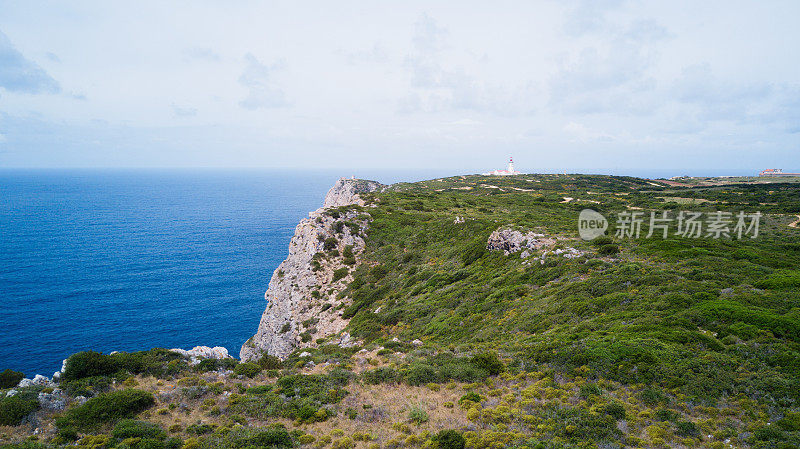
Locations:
{"points": [[129, 260]]}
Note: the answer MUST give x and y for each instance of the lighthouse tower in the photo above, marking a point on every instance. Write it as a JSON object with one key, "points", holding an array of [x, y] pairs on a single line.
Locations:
{"points": [[507, 172]]}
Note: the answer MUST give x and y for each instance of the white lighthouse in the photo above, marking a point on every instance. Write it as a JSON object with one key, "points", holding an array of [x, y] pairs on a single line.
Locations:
{"points": [[507, 172]]}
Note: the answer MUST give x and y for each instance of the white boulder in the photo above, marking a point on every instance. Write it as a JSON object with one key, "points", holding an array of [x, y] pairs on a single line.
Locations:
{"points": [[203, 352], [37, 380]]}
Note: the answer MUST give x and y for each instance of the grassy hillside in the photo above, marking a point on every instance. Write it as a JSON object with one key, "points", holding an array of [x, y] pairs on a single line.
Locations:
{"points": [[648, 342], [709, 317]]}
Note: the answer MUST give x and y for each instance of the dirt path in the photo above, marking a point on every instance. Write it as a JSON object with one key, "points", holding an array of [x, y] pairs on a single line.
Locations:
{"points": [[795, 223]]}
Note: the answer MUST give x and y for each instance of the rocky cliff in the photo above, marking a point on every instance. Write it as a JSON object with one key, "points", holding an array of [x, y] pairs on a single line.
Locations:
{"points": [[346, 192], [302, 296]]}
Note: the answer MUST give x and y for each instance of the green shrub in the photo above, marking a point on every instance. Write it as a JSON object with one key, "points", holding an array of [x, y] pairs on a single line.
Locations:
{"points": [[173, 443], [270, 362], [207, 365], [607, 250], [129, 428], [243, 437], [474, 251], [348, 251], [769, 437], [259, 389], [470, 396], [276, 438], [106, 408], [354, 227], [381, 375], [417, 415], [790, 422], [87, 386], [294, 397], [330, 244], [729, 311], [588, 390], [348, 258], [398, 346], [489, 362], [602, 240], [687, 429], [444, 367], [29, 444], [67, 433], [449, 439], [652, 396], [421, 374], [324, 389], [10, 379], [247, 369], [340, 273], [14, 408], [665, 414], [779, 280], [155, 362], [615, 410], [365, 325], [89, 364], [201, 429]]}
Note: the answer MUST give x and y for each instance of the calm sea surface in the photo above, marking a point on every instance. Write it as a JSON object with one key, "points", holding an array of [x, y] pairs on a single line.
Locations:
{"points": [[130, 260]]}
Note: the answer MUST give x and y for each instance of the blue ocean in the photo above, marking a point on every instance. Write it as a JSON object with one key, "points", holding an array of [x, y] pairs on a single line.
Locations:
{"points": [[130, 260]]}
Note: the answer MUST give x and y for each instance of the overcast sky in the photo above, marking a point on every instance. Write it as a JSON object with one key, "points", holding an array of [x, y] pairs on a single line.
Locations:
{"points": [[560, 85]]}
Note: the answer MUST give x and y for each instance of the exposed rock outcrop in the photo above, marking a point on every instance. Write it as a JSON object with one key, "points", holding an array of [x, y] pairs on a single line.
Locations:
{"points": [[302, 294], [511, 241], [53, 401], [37, 380], [346, 192], [203, 352]]}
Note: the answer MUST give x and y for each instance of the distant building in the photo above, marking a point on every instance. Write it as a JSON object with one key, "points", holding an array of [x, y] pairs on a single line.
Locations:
{"points": [[509, 171], [776, 172]]}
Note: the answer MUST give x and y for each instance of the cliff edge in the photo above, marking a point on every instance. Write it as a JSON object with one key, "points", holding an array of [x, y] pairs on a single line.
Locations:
{"points": [[324, 250]]}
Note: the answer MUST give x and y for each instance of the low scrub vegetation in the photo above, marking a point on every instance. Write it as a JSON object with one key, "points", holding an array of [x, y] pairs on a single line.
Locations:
{"points": [[106, 408]]}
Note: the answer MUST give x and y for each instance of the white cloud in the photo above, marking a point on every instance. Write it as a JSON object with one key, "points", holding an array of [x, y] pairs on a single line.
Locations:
{"points": [[376, 54], [439, 87], [613, 74], [466, 122], [580, 133], [262, 91], [423, 80], [201, 53], [183, 111], [19, 74]]}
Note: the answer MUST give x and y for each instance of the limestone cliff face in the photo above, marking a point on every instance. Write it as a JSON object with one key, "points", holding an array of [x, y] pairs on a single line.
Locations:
{"points": [[345, 192], [302, 305]]}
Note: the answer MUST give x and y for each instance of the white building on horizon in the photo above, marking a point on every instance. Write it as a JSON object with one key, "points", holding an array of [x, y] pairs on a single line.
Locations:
{"points": [[509, 171]]}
